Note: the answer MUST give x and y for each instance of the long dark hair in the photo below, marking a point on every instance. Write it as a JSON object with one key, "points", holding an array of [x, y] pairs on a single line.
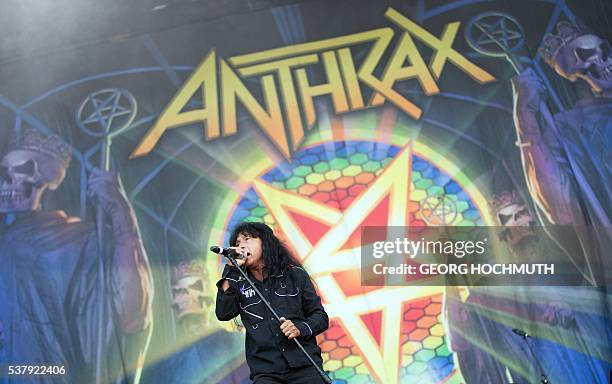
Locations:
{"points": [[276, 256]]}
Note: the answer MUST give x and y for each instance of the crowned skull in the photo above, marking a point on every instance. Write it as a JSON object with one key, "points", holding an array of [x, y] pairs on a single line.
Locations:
{"points": [[32, 165], [514, 216], [575, 53], [189, 286]]}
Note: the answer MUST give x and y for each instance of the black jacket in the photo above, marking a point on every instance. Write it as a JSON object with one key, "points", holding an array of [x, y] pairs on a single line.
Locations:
{"points": [[293, 296]]}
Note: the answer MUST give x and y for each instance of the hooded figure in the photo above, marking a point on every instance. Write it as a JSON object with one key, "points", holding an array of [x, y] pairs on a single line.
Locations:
{"points": [[54, 309]]}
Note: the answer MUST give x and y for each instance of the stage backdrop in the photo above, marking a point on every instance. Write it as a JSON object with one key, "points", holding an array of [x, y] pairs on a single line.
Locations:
{"points": [[317, 118]]}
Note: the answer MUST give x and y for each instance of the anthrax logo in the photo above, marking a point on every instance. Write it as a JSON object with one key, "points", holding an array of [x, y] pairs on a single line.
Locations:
{"points": [[221, 84]]}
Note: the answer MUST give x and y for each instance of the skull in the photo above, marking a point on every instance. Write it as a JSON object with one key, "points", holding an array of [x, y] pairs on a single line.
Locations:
{"points": [[517, 221], [189, 297], [587, 57], [24, 177]]}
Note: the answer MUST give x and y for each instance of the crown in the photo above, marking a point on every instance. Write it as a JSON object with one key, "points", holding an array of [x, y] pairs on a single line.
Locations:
{"points": [[566, 32], [32, 140], [505, 199], [185, 269]]}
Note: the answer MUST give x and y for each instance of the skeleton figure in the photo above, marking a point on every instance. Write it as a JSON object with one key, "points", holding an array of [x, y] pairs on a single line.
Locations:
{"points": [[475, 333], [566, 157], [190, 300], [566, 162], [50, 297]]}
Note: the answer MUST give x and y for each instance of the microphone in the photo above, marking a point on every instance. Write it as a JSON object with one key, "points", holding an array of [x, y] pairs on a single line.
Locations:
{"points": [[227, 252], [521, 333]]}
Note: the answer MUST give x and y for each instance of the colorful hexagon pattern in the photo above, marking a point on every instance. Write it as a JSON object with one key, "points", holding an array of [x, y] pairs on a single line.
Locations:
{"points": [[336, 179]]}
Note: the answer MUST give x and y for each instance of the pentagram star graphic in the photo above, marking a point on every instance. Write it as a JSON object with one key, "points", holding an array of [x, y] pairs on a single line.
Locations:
{"points": [[337, 251], [438, 210], [497, 32], [103, 107]]}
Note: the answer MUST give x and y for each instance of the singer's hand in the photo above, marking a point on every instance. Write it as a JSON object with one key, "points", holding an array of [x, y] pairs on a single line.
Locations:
{"points": [[239, 261], [289, 329]]}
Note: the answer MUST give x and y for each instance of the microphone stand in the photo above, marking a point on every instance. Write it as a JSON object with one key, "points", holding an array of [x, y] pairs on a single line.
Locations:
{"points": [[543, 377], [323, 375]]}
